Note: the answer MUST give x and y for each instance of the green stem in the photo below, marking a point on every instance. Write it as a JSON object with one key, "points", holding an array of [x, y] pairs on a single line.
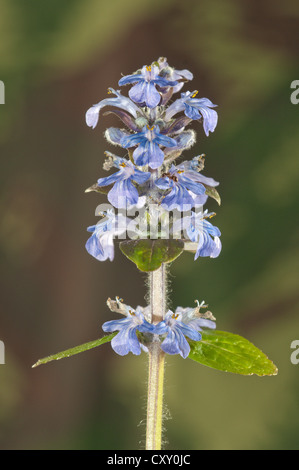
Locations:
{"points": [[157, 298]]}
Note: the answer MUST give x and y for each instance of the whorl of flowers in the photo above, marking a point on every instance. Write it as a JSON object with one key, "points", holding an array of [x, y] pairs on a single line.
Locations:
{"points": [[151, 176]]}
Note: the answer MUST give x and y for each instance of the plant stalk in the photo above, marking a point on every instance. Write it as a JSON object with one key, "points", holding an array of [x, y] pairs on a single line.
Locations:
{"points": [[157, 299]]}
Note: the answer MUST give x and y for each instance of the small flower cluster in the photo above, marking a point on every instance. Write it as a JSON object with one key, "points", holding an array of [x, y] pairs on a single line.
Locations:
{"points": [[135, 331], [155, 136]]}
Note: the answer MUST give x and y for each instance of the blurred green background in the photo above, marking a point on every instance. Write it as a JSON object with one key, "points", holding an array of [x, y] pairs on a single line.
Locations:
{"points": [[57, 59]]}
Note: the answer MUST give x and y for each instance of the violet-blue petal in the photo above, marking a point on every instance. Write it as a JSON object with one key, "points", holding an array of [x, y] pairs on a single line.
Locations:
{"points": [[165, 140], [148, 153], [126, 341], [163, 183], [115, 135], [92, 114], [94, 248], [192, 112], [188, 330], [199, 323], [195, 187], [109, 179], [126, 80], [108, 245], [145, 92], [176, 343], [179, 198], [164, 82], [123, 194], [128, 141], [211, 229], [207, 246], [116, 325], [140, 177]]}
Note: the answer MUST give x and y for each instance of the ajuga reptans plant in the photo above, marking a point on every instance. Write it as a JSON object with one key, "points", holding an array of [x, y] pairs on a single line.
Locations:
{"points": [[154, 212]]}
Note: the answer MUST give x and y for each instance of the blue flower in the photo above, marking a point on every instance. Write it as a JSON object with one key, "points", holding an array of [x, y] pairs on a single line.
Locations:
{"points": [[144, 91], [100, 245], [92, 115], [195, 319], [183, 322], [148, 151], [195, 108], [126, 340], [173, 74], [176, 330], [124, 193], [184, 184], [201, 231]]}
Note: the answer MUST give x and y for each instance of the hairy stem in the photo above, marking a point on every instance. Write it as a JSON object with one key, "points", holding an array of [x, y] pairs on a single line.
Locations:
{"points": [[157, 298]]}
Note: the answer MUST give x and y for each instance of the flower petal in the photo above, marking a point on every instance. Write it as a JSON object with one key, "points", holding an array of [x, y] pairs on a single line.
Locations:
{"points": [[188, 330], [118, 175], [176, 107], [115, 135], [131, 140], [199, 323], [176, 343], [152, 96], [92, 114], [179, 198], [126, 341], [138, 92], [94, 247], [192, 112], [148, 153], [123, 194], [136, 77], [116, 325], [164, 140], [140, 177]]}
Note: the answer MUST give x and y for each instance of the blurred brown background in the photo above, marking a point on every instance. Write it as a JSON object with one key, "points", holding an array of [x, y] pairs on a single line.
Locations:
{"points": [[56, 60]]}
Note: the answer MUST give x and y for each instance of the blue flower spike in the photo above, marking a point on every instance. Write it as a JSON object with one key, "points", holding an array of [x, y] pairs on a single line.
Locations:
{"points": [[149, 179]]}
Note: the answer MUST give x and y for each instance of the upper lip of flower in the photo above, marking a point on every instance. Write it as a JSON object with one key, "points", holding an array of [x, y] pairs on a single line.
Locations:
{"points": [[149, 74], [153, 87]]}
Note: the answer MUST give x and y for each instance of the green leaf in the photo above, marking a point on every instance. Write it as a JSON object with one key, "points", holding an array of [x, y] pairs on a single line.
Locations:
{"points": [[230, 353], [148, 255], [75, 350], [98, 189], [213, 193]]}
